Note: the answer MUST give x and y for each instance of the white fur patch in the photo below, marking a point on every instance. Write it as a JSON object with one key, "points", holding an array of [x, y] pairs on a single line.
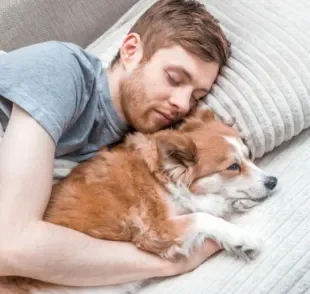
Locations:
{"points": [[186, 202], [232, 238]]}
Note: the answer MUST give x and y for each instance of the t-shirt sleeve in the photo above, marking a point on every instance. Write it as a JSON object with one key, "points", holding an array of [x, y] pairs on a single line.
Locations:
{"points": [[50, 81]]}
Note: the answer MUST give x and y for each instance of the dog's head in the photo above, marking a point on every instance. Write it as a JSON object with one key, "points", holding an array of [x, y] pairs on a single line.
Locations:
{"points": [[207, 156], [223, 164]]}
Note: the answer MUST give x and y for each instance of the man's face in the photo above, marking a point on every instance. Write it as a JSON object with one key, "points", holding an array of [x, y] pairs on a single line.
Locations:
{"points": [[163, 90]]}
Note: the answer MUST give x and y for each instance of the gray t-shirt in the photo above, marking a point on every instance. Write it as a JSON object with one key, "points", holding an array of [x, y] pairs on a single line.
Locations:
{"points": [[66, 90]]}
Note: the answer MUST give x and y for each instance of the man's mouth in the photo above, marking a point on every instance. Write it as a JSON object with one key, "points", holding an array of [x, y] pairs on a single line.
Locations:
{"points": [[166, 118]]}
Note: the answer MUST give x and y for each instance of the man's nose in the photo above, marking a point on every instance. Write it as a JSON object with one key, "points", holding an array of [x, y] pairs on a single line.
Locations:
{"points": [[181, 103]]}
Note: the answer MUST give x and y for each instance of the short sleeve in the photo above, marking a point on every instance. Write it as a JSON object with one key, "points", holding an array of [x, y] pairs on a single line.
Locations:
{"points": [[50, 80]]}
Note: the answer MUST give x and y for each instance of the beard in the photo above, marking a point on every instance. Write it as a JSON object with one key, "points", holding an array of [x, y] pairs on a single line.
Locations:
{"points": [[136, 105]]}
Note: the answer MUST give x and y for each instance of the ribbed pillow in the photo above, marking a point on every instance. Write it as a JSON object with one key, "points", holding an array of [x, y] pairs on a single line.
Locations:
{"points": [[264, 89]]}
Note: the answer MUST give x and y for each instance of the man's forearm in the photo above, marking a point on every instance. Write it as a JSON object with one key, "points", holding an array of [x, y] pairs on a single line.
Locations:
{"points": [[62, 256]]}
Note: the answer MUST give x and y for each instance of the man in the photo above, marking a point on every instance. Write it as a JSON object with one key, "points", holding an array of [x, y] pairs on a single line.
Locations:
{"points": [[58, 101]]}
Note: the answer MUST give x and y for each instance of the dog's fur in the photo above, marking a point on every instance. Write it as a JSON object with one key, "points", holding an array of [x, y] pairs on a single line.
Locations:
{"points": [[165, 192]]}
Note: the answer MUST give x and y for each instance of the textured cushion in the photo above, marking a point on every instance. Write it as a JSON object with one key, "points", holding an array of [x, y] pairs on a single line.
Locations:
{"points": [[24, 22], [264, 89]]}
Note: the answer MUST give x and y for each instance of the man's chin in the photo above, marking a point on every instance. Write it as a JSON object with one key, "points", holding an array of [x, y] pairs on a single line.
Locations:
{"points": [[149, 128], [146, 130], [150, 125]]}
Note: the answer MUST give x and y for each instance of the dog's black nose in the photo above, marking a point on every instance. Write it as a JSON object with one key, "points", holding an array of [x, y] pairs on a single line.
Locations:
{"points": [[271, 182]]}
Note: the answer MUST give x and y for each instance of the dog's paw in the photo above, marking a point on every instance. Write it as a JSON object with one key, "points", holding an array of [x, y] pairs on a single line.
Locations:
{"points": [[241, 205], [244, 246]]}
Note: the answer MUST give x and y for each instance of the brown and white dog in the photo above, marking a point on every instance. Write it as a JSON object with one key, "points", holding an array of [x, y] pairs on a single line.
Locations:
{"points": [[165, 192]]}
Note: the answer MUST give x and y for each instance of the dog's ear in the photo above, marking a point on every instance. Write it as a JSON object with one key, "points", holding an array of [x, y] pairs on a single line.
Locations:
{"points": [[204, 114], [145, 145], [176, 153], [197, 118], [169, 151], [137, 141]]}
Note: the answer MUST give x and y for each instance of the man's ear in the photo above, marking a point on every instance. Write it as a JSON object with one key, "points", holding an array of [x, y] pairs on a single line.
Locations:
{"points": [[198, 118], [131, 51], [176, 154]]}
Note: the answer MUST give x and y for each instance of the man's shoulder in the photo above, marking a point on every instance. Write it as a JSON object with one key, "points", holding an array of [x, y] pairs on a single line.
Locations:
{"points": [[58, 45], [65, 46], [65, 52]]}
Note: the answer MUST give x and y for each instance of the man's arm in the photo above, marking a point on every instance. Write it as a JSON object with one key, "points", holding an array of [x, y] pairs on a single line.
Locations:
{"points": [[33, 248]]}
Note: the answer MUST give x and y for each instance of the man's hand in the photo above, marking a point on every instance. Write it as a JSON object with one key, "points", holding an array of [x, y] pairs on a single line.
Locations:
{"points": [[185, 265]]}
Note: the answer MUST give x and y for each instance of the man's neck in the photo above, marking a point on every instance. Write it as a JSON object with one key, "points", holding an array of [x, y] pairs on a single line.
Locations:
{"points": [[114, 76]]}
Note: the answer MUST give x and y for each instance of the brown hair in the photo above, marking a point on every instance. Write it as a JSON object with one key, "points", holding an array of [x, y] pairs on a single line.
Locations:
{"points": [[183, 22]]}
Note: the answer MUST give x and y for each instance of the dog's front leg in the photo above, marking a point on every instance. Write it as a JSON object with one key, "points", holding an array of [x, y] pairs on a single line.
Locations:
{"points": [[229, 236]]}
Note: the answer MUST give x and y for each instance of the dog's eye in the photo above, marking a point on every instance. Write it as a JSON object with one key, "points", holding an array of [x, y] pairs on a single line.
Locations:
{"points": [[235, 166], [250, 154]]}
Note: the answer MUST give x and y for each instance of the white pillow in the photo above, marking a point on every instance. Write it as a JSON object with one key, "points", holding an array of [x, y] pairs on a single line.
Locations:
{"points": [[263, 91]]}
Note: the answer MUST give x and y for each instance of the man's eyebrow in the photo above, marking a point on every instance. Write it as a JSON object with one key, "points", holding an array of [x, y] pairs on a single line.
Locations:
{"points": [[181, 69]]}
